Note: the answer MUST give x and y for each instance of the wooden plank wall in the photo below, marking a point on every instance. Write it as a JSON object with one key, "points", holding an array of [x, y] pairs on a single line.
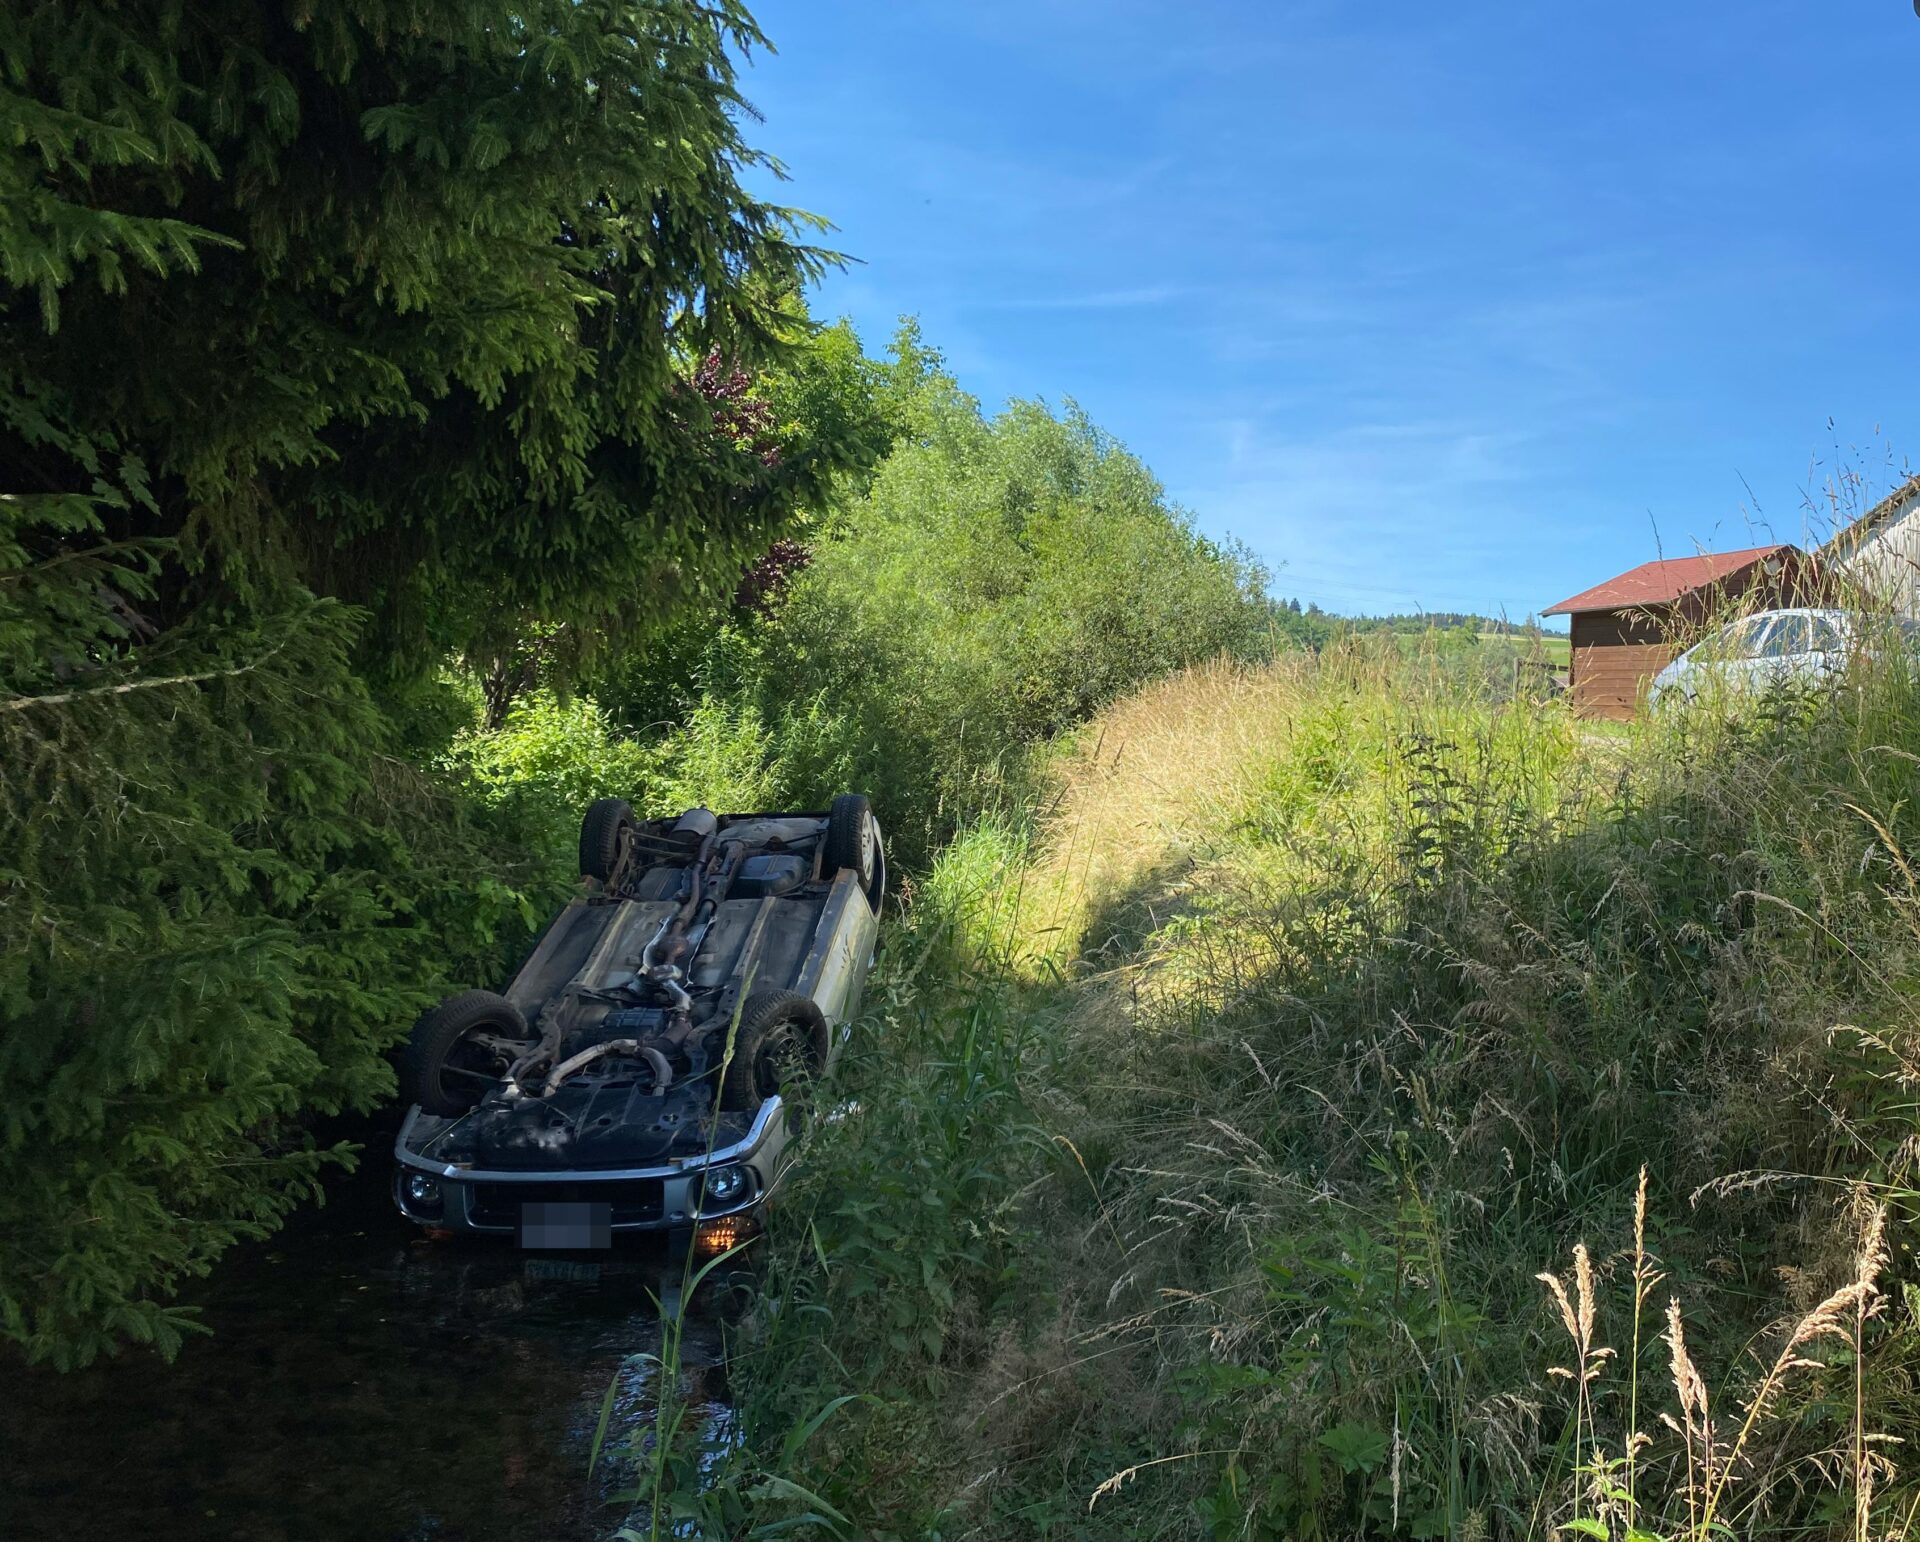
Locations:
{"points": [[1615, 653]]}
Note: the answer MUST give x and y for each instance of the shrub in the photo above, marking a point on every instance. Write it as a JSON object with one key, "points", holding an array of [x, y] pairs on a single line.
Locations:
{"points": [[1000, 581], [555, 756]]}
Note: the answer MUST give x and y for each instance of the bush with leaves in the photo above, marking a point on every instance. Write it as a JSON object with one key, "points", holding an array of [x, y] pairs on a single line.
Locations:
{"points": [[998, 581], [553, 757]]}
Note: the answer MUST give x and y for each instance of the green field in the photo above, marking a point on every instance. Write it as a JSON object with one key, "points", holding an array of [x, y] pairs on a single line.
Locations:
{"points": [[1559, 650]]}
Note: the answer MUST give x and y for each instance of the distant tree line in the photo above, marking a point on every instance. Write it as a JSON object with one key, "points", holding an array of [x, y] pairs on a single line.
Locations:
{"points": [[1309, 626]]}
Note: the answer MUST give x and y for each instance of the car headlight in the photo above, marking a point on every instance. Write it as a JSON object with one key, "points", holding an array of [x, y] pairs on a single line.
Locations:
{"points": [[422, 1192], [723, 1186]]}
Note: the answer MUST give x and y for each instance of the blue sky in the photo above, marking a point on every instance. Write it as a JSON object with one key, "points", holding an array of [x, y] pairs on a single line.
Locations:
{"points": [[1460, 306]]}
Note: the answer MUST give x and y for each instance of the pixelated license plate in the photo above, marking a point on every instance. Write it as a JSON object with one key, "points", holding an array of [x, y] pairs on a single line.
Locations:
{"points": [[566, 1223]]}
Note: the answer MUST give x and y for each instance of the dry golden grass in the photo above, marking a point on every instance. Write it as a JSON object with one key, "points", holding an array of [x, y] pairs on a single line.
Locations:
{"points": [[1161, 769], [1159, 789], [1716, 1470], [1150, 781]]}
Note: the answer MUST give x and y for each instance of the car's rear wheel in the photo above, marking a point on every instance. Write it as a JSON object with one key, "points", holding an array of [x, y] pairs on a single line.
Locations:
{"points": [[460, 1051], [605, 834], [779, 1050], [853, 842]]}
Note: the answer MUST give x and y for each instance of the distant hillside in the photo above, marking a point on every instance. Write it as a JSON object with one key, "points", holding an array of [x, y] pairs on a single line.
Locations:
{"points": [[1313, 627]]}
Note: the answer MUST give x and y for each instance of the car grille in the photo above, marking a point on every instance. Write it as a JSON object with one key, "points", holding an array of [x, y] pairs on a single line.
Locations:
{"points": [[635, 1201]]}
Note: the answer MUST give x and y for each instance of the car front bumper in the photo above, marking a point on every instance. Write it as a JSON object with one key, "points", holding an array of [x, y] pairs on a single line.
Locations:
{"points": [[662, 1197]]}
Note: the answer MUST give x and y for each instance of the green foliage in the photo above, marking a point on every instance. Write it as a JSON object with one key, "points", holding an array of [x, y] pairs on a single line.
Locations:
{"points": [[220, 902], [404, 303], [1000, 581], [1311, 627], [991, 584], [898, 1239], [340, 346], [554, 757]]}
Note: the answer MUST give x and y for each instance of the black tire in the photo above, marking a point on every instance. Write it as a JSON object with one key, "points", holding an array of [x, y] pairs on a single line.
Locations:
{"points": [[602, 842], [443, 1067], [853, 841], [781, 1044]]}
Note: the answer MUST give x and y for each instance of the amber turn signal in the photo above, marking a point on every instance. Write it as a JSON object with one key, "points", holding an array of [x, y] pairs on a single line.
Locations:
{"points": [[712, 1238]]}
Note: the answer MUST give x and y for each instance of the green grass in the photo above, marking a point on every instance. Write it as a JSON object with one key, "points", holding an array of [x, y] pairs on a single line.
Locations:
{"points": [[1215, 1121], [1558, 649]]}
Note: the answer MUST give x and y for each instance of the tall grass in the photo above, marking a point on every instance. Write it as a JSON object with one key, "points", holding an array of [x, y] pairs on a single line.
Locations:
{"points": [[1211, 1143], [896, 1247]]}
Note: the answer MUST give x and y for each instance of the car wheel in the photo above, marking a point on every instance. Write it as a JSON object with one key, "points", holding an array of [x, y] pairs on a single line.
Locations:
{"points": [[604, 836], [780, 1049], [853, 842], [460, 1051]]}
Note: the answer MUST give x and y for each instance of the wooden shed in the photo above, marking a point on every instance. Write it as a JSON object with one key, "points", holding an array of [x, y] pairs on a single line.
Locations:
{"points": [[1626, 630]]}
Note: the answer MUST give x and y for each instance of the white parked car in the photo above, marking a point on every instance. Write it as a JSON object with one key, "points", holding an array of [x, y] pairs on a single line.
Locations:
{"points": [[1771, 649]]}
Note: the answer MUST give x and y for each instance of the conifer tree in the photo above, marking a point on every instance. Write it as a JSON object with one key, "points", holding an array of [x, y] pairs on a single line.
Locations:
{"points": [[335, 339], [401, 300]]}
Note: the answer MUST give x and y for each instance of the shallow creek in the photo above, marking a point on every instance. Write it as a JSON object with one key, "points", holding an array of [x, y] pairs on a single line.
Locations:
{"points": [[360, 1384]]}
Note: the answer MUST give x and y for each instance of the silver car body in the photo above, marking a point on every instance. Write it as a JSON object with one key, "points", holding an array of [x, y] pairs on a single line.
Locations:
{"points": [[643, 1150], [1765, 651]]}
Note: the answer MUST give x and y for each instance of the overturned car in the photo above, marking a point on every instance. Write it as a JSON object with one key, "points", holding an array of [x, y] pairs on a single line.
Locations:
{"points": [[653, 1057]]}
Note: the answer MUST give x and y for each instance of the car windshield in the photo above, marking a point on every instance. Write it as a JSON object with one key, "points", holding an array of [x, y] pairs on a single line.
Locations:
{"points": [[1739, 640]]}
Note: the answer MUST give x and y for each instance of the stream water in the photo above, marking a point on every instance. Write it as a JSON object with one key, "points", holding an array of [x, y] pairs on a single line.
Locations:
{"points": [[360, 1384]]}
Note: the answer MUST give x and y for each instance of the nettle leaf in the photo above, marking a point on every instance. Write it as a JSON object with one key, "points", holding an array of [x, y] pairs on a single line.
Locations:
{"points": [[1357, 1447]]}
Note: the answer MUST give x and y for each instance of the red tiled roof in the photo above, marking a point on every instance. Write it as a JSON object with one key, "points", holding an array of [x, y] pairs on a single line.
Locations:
{"points": [[1659, 582]]}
